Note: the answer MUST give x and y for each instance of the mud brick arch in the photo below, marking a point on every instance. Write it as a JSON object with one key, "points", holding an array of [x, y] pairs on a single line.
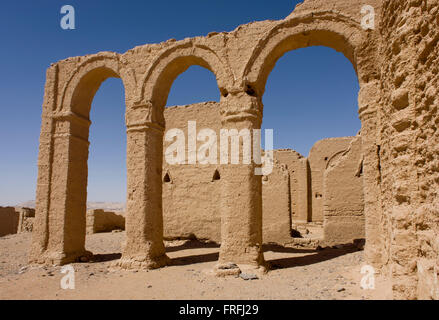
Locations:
{"points": [[59, 232], [343, 34]]}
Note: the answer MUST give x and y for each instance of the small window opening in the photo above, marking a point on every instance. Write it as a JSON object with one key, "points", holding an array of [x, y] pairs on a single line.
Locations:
{"points": [[216, 176], [167, 178]]}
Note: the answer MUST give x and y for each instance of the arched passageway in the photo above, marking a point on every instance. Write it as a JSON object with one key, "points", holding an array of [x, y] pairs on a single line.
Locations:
{"points": [[64, 149], [311, 103]]}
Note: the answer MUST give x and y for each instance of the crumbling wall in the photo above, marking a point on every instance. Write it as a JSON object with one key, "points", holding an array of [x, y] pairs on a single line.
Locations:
{"points": [[319, 156], [99, 220], [297, 167], [8, 221], [191, 203], [343, 199], [191, 191], [408, 145], [16, 220], [426, 99], [25, 219], [276, 218]]}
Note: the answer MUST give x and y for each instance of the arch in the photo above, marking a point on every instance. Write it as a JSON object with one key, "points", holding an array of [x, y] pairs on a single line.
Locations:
{"points": [[69, 150], [322, 28], [78, 92], [343, 34], [195, 85], [172, 62], [107, 154]]}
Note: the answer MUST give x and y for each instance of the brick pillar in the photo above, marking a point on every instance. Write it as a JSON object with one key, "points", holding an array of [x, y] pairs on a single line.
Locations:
{"points": [[241, 190], [375, 250], [144, 247], [302, 196], [59, 230]]}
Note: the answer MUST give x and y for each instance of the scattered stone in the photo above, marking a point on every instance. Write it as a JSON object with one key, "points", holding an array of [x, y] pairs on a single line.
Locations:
{"points": [[341, 289], [22, 270], [248, 276], [228, 266]]}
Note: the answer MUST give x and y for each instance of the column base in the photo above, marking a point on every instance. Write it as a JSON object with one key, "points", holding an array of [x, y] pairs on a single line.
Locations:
{"points": [[142, 263], [61, 258], [241, 254]]}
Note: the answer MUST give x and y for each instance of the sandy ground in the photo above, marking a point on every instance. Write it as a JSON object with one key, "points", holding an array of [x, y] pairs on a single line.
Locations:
{"points": [[296, 274]]}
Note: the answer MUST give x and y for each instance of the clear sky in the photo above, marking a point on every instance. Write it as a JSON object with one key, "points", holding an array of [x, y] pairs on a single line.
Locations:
{"points": [[311, 94]]}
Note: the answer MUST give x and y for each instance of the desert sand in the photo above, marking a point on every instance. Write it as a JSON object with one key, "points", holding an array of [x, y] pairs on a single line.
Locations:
{"points": [[297, 274]]}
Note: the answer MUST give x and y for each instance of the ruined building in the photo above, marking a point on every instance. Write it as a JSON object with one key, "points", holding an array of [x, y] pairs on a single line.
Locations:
{"points": [[397, 66], [326, 188], [16, 220]]}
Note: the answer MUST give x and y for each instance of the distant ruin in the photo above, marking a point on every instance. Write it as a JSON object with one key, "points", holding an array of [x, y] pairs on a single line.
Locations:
{"points": [[397, 67], [21, 219], [16, 220], [99, 220]]}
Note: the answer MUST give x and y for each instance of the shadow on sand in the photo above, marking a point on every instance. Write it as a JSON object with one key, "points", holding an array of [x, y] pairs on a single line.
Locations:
{"points": [[310, 256]]}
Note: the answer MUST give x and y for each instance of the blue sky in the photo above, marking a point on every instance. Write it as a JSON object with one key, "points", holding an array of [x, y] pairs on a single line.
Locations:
{"points": [[311, 94]]}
